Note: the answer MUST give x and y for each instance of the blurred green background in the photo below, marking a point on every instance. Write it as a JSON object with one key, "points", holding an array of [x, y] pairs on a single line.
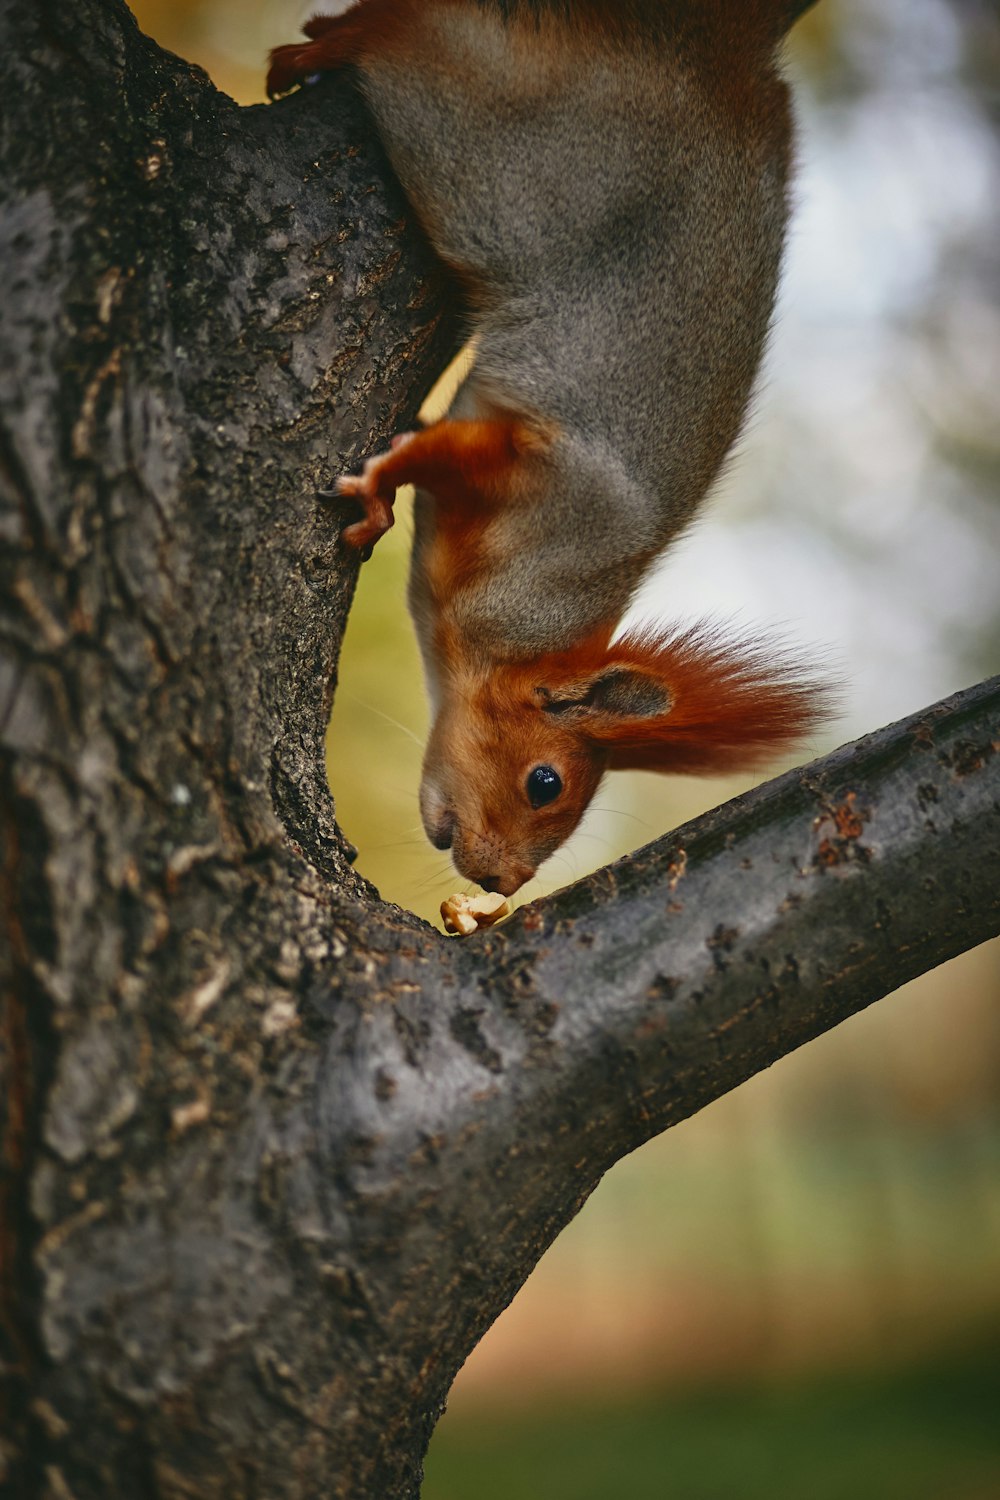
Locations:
{"points": [[797, 1293]]}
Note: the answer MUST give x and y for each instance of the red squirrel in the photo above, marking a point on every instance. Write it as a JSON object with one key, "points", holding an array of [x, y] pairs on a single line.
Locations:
{"points": [[608, 182]]}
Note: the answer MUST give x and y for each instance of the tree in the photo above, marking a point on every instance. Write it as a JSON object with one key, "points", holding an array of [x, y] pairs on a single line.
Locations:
{"points": [[276, 1154]]}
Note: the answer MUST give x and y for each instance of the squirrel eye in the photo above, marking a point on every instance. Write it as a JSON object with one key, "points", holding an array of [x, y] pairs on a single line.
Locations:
{"points": [[543, 786]]}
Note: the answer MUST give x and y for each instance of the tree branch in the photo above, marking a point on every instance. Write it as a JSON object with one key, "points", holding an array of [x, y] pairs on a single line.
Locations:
{"points": [[476, 1112], [276, 1154]]}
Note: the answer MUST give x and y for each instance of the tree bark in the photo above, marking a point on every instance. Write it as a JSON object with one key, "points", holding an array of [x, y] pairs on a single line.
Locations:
{"points": [[275, 1154]]}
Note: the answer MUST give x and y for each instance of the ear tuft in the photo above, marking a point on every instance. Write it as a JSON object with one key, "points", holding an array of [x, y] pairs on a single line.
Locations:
{"points": [[690, 703]]}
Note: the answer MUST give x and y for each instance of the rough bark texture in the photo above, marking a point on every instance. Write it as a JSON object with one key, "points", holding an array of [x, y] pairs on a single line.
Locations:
{"points": [[276, 1154]]}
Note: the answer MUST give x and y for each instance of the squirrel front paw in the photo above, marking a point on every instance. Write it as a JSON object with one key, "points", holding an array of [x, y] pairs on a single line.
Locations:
{"points": [[375, 487]]}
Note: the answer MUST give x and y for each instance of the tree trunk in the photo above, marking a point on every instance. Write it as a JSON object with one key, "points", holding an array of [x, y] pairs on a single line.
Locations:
{"points": [[276, 1154]]}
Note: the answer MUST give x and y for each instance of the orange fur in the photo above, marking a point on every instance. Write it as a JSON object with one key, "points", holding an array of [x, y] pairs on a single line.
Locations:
{"points": [[730, 701], [711, 706], [469, 466], [476, 470], [463, 462], [491, 733]]}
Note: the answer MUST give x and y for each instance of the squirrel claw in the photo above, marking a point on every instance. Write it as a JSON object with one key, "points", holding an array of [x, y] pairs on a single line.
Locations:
{"points": [[364, 534], [361, 535], [376, 491]]}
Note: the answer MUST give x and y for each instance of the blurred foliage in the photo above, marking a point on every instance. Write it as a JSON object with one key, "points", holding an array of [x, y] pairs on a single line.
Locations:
{"points": [[925, 1434], [230, 39]]}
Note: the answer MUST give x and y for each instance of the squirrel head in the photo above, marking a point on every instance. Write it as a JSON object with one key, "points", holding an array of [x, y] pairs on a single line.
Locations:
{"points": [[518, 750], [503, 784]]}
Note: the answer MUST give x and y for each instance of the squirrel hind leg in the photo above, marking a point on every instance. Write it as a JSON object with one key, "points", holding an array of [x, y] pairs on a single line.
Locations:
{"points": [[289, 65], [335, 42]]}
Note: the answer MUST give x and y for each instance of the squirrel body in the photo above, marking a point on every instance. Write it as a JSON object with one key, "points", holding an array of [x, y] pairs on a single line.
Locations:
{"points": [[608, 185]]}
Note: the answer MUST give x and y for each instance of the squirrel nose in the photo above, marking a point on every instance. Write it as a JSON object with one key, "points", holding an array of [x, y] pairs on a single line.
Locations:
{"points": [[443, 831], [508, 883]]}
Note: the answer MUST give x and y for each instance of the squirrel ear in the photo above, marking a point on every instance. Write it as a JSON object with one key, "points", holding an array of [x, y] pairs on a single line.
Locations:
{"points": [[691, 702], [615, 693]]}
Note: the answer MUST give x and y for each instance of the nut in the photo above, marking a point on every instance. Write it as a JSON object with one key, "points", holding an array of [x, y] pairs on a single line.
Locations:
{"points": [[463, 914]]}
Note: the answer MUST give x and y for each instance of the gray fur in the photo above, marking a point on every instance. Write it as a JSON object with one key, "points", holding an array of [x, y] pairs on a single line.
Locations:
{"points": [[631, 245]]}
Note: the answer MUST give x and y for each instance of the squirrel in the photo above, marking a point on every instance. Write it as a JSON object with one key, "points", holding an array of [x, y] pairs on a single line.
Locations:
{"points": [[607, 182]]}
